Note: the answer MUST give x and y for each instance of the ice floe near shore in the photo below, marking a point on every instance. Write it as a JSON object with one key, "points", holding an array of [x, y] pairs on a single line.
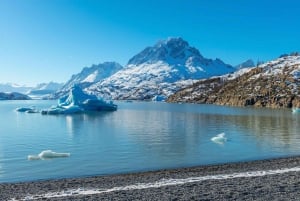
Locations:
{"points": [[47, 154], [220, 138]]}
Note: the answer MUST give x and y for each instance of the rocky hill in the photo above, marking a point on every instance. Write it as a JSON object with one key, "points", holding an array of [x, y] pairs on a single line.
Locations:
{"points": [[158, 71], [273, 84]]}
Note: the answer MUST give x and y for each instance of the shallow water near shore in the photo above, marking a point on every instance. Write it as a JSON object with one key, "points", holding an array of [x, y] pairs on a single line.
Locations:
{"points": [[139, 136]]}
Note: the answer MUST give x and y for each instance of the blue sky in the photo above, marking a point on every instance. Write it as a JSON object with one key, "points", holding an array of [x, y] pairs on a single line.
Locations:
{"points": [[49, 40]]}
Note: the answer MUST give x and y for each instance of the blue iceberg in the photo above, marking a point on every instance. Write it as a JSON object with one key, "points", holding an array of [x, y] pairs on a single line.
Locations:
{"points": [[27, 109], [77, 102], [23, 109]]}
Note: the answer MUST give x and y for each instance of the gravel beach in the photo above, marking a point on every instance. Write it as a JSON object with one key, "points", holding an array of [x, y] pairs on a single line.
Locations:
{"points": [[274, 179]]}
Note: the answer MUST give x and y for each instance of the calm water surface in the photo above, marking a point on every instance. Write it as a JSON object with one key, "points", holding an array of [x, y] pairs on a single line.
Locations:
{"points": [[140, 136]]}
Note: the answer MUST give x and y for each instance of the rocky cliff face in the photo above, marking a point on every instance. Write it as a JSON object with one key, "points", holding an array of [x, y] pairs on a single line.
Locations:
{"points": [[274, 84]]}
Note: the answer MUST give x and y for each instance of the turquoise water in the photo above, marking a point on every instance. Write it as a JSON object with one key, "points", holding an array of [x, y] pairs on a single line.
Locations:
{"points": [[140, 136]]}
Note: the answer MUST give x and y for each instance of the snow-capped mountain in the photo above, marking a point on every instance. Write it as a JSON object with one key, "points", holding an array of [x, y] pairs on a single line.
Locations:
{"points": [[185, 62], [11, 87], [89, 76], [272, 84], [246, 64], [48, 86], [159, 71], [44, 89]]}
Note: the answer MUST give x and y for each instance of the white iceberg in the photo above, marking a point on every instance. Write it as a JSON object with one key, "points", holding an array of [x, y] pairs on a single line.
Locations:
{"points": [[47, 154], [77, 101], [220, 138]]}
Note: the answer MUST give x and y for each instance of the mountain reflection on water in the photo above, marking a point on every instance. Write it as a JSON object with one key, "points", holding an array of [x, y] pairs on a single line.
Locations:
{"points": [[140, 136]]}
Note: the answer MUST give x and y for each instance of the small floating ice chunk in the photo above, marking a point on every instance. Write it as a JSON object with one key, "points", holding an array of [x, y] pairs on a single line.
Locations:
{"points": [[296, 110], [220, 138], [47, 154], [33, 157], [24, 109], [32, 111], [27, 109]]}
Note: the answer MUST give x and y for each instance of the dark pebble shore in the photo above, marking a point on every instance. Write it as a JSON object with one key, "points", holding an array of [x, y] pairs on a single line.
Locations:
{"points": [[284, 186]]}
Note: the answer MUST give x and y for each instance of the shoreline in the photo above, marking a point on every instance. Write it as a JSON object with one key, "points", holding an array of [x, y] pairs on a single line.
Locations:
{"points": [[205, 182]]}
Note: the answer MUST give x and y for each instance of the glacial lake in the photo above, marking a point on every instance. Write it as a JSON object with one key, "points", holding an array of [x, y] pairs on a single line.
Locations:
{"points": [[139, 136]]}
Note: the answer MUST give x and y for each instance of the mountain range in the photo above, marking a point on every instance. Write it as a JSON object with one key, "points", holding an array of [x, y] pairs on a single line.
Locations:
{"points": [[273, 84], [13, 96], [39, 91], [153, 74], [173, 70], [12, 87]]}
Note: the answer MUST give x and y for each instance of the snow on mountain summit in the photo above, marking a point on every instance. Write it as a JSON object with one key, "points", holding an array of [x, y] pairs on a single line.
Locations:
{"points": [[185, 61], [89, 76], [172, 51], [178, 53], [160, 70], [95, 73], [245, 64]]}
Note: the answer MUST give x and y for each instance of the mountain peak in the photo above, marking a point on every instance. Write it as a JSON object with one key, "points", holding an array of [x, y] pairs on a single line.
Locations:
{"points": [[171, 50], [89, 76], [173, 41], [245, 64]]}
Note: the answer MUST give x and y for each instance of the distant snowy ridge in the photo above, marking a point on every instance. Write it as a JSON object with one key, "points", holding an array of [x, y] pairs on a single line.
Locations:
{"points": [[48, 86], [89, 76], [38, 91], [159, 70], [12, 87], [44, 89], [246, 64], [13, 96]]}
